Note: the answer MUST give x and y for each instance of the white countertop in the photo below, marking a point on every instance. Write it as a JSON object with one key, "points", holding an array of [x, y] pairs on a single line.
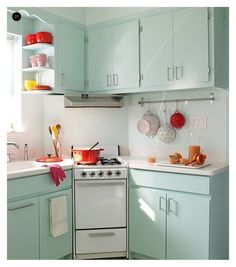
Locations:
{"points": [[28, 168], [141, 163], [36, 168]]}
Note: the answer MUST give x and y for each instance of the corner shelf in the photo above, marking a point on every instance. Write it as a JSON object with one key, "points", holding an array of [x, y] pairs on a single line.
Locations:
{"points": [[37, 92], [37, 46], [36, 69]]}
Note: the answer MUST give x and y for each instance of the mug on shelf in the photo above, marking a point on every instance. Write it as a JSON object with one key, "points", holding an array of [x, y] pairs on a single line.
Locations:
{"points": [[41, 60], [33, 61]]}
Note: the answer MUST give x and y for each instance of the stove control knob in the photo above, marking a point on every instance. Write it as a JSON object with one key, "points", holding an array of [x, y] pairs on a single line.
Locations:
{"points": [[109, 173], [83, 174], [100, 173], [92, 174], [117, 173]]}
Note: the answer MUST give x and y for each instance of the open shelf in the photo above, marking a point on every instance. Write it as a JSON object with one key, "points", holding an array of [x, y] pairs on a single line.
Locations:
{"points": [[36, 69], [37, 46], [38, 92]]}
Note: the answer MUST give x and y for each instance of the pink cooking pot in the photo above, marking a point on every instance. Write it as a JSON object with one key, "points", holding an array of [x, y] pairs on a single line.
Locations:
{"points": [[87, 155]]}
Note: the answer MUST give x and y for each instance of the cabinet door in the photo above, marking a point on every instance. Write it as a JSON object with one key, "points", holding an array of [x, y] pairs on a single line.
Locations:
{"points": [[190, 27], [100, 59], [71, 58], [126, 55], [60, 246], [23, 229], [188, 226], [156, 50], [147, 222]]}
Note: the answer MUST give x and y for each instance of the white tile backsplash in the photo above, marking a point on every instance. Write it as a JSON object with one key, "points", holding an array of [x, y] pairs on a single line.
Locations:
{"points": [[118, 126]]}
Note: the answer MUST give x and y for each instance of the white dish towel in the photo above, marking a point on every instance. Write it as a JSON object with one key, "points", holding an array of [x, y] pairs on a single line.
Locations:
{"points": [[58, 216]]}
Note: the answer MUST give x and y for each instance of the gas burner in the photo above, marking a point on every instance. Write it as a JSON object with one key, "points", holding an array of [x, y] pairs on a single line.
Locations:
{"points": [[112, 161]]}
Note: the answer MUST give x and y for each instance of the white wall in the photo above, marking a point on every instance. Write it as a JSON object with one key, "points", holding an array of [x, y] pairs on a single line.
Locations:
{"points": [[215, 137], [119, 126], [84, 126], [32, 134]]}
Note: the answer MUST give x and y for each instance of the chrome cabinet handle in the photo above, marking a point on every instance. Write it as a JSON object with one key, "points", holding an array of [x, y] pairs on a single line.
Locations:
{"points": [[174, 211], [21, 207], [160, 204], [101, 234], [62, 79], [115, 79], [108, 80], [169, 77], [177, 74]]}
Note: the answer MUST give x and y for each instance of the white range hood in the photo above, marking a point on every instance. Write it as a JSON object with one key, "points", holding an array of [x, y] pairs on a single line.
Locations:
{"points": [[93, 101]]}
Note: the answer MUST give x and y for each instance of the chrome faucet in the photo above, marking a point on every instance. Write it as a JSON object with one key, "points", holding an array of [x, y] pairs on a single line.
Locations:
{"points": [[13, 144], [9, 155]]}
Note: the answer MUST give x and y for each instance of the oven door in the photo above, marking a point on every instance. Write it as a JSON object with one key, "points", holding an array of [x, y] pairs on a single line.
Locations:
{"points": [[100, 203]]}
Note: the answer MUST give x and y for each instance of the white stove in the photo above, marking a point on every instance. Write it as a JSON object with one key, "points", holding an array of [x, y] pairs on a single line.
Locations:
{"points": [[100, 209]]}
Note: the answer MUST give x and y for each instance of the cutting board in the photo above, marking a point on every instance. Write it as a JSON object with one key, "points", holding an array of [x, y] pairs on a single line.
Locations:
{"points": [[168, 164]]}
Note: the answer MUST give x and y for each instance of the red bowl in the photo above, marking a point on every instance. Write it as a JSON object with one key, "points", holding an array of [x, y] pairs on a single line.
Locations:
{"points": [[44, 37], [30, 39]]}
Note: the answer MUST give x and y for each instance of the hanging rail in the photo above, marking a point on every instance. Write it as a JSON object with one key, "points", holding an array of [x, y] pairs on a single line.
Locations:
{"points": [[211, 98]]}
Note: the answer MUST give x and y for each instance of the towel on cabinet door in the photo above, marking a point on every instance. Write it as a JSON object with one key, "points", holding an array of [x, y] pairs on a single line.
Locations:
{"points": [[58, 216], [57, 173]]}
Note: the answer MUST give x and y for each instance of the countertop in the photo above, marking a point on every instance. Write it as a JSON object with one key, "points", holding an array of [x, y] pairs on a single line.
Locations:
{"points": [[132, 162], [141, 163], [36, 168]]}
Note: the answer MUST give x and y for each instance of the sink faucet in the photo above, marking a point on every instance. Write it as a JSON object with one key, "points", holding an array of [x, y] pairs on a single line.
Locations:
{"points": [[13, 144], [9, 155]]}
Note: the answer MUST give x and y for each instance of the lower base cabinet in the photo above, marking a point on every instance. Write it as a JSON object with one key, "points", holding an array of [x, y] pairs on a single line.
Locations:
{"points": [[177, 216], [28, 219], [23, 229], [54, 247]]}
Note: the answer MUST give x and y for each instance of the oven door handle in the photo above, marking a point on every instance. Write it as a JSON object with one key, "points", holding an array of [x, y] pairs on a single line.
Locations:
{"points": [[100, 183], [101, 234]]}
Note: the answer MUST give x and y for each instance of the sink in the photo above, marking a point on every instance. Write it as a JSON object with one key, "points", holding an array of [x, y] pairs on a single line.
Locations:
{"points": [[19, 169], [22, 165]]}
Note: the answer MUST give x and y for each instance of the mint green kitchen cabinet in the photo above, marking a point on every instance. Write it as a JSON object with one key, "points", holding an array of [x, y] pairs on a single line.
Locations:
{"points": [[174, 49], [188, 222], [71, 59], [23, 229], [54, 247], [113, 57], [147, 216], [28, 221], [190, 43], [100, 59], [178, 216], [156, 50]]}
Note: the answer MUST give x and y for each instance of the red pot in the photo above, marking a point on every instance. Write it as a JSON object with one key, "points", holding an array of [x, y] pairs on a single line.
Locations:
{"points": [[177, 120], [87, 156], [30, 39], [44, 37]]}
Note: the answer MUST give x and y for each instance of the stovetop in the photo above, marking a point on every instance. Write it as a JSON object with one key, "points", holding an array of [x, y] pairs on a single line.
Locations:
{"points": [[103, 163]]}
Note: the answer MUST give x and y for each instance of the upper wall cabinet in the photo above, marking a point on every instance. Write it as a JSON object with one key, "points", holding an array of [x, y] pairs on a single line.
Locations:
{"points": [[174, 49], [71, 59], [178, 49], [113, 57]]}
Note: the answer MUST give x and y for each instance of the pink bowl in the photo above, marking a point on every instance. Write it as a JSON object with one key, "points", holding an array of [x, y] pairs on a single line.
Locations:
{"points": [[33, 61], [41, 59]]}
